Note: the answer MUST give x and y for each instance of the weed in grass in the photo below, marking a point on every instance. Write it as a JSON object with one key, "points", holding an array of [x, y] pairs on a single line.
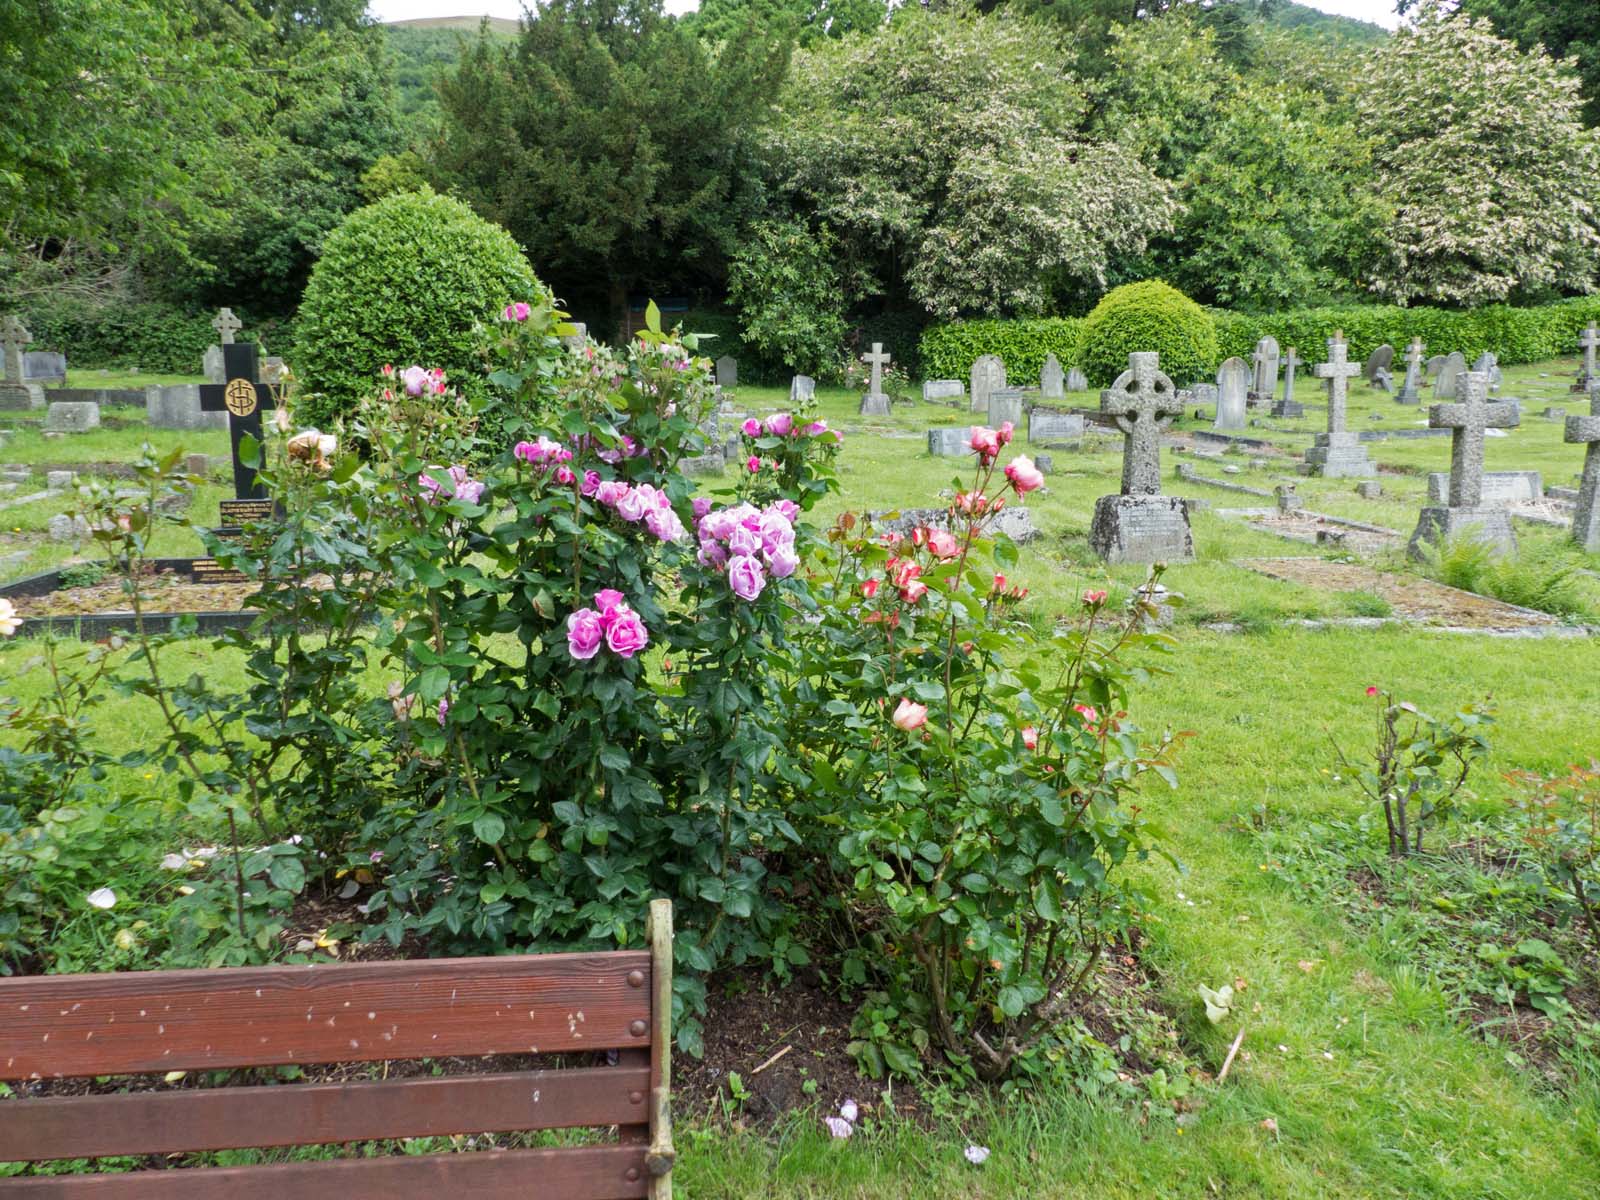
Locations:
{"points": [[1542, 575]]}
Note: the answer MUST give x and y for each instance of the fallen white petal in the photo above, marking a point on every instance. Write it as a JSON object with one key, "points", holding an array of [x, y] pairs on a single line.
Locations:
{"points": [[102, 898]]}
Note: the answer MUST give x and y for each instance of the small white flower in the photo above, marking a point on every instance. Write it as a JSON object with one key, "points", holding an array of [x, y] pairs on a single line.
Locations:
{"points": [[173, 862], [850, 1111], [102, 898], [9, 621], [977, 1155], [838, 1126]]}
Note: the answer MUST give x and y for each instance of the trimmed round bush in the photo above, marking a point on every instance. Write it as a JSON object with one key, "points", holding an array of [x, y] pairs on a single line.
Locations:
{"points": [[1147, 316], [402, 281]]}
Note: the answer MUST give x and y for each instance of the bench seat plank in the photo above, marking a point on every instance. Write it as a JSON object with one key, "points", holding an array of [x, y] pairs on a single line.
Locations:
{"points": [[156, 1021], [308, 1114], [571, 1173]]}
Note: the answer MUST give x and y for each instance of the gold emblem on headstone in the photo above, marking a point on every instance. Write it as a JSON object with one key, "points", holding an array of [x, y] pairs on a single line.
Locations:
{"points": [[240, 397]]}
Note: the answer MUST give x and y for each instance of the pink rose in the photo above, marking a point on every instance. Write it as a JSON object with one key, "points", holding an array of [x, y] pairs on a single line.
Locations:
{"points": [[788, 508], [700, 506], [746, 577], [913, 591], [909, 715], [754, 464], [782, 562], [610, 492], [584, 633], [751, 427], [985, 442], [634, 505], [744, 541], [564, 475], [1024, 476], [780, 424], [869, 588], [1094, 599], [516, 312], [609, 599], [664, 523], [625, 632], [816, 429], [943, 543], [1030, 737], [415, 379], [712, 554], [1003, 434]]}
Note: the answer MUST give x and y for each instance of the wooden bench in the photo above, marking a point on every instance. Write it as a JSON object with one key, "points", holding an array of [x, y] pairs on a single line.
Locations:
{"points": [[62, 1026]]}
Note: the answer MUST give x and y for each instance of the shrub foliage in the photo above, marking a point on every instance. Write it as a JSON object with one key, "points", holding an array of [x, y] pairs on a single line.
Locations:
{"points": [[1147, 316]]}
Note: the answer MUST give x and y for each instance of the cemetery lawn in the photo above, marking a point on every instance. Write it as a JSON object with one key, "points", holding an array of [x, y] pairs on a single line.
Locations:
{"points": [[1376, 1082]]}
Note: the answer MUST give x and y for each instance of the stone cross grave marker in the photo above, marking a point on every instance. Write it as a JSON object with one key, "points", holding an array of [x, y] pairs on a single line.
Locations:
{"points": [[1265, 358], [226, 325], [1052, 383], [14, 392], [1467, 419], [1289, 406], [1233, 383], [875, 403], [242, 398], [1410, 386], [988, 375], [1586, 431], [1588, 343], [1140, 524], [1339, 454]]}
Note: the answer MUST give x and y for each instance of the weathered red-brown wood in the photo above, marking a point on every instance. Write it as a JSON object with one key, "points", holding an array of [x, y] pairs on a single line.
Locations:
{"points": [[311, 1114], [137, 1022], [587, 1173]]}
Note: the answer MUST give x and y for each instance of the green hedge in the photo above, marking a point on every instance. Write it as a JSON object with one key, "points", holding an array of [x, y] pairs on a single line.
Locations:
{"points": [[154, 337], [1517, 335], [1150, 315], [948, 351]]}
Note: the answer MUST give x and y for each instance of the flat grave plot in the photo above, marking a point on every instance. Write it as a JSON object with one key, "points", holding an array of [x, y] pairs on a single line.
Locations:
{"points": [[1411, 597]]}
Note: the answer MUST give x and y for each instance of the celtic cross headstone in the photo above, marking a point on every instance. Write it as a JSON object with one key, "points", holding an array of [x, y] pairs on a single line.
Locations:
{"points": [[1140, 524]]}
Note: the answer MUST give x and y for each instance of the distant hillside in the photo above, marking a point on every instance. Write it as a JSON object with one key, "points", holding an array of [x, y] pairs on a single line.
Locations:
{"points": [[1318, 25], [500, 25], [425, 46]]}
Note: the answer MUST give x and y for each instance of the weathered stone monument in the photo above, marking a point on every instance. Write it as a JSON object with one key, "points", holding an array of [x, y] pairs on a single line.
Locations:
{"points": [[1453, 367], [1500, 488], [801, 389], [1077, 381], [1005, 404], [727, 371], [988, 375], [1376, 372], [1053, 427], [937, 391], [226, 325], [1587, 344], [44, 366], [1410, 387], [1489, 363], [15, 393], [72, 416], [1338, 454], [1586, 431], [1233, 390], [1467, 418], [1052, 383], [949, 441], [1264, 384], [1140, 524], [875, 403], [1289, 406]]}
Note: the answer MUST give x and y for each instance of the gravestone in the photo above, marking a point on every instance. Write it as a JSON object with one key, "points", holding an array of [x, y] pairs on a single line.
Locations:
{"points": [[1466, 514], [15, 392], [1203, 396], [1077, 381], [58, 481], [1052, 384], [1233, 389], [1289, 406], [1410, 386], [44, 366], [801, 389], [1376, 372], [875, 403], [177, 406], [226, 325], [727, 372], [242, 398], [1264, 383], [1455, 366], [67, 527], [1553, 413], [1371, 490], [988, 375], [698, 466], [1337, 453], [1005, 404], [1585, 431], [1053, 427], [72, 416], [1489, 363], [1435, 365], [949, 442], [1140, 524], [576, 340], [1587, 345], [938, 390], [211, 365], [1500, 488], [272, 370]]}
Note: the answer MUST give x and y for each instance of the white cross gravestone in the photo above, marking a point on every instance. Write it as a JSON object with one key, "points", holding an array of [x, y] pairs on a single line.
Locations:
{"points": [[15, 393], [1467, 419], [875, 403], [1338, 454], [1264, 385], [1233, 388], [988, 375], [1410, 386], [1588, 343], [1289, 406], [1140, 524], [1586, 431]]}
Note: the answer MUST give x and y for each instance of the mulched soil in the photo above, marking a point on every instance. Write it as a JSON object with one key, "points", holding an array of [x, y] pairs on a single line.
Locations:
{"points": [[1412, 597], [166, 592]]}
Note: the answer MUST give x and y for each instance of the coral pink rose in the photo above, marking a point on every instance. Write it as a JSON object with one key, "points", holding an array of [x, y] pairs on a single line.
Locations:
{"points": [[909, 715], [609, 599], [1030, 737], [985, 441], [943, 543], [1024, 476]]}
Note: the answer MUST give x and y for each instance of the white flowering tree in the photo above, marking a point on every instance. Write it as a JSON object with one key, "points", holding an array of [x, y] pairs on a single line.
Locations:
{"points": [[1490, 178]]}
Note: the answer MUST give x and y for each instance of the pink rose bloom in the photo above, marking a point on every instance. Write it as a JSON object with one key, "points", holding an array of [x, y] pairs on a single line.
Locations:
{"points": [[1024, 476], [625, 632], [744, 541], [610, 492], [869, 589], [943, 543], [466, 487], [712, 554], [516, 312], [913, 591], [751, 427], [524, 451], [1003, 434], [591, 483], [664, 523], [746, 577], [1030, 737], [415, 379], [754, 464], [444, 710], [985, 441], [780, 424], [1095, 598], [584, 634], [788, 508], [564, 475], [700, 505], [1087, 712], [608, 599], [909, 715], [634, 505], [775, 529], [719, 524], [782, 562], [816, 429]]}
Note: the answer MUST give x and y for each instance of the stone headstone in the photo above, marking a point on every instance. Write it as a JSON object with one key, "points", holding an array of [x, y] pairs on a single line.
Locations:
{"points": [[44, 366], [1046, 464], [1466, 514], [698, 466], [1203, 396], [66, 527], [72, 416], [875, 403], [272, 370], [226, 325], [1444, 385], [727, 371], [1140, 524], [1233, 387], [15, 392], [1379, 360], [1077, 381], [1369, 490], [211, 364], [58, 481], [1288, 500], [1053, 427], [988, 375], [177, 406], [1005, 404], [936, 391], [1411, 384], [1585, 431], [1554, 413], [579, 336], [1264, 381], [801, 389], [1500, 488], [1435, 365], [1588, 343], [1289, 406], [1338, 453], [1052, 383], [949, 442]]}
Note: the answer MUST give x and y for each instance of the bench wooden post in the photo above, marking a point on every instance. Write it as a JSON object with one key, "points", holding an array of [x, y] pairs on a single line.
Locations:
{"points": [[659, 1159]]}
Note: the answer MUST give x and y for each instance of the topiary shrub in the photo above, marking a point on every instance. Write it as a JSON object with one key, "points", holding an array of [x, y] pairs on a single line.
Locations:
{"points": [[403, 281], [1147, 316]]}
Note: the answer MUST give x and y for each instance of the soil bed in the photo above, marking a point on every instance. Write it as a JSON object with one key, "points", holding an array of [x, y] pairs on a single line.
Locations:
{"points": [[1411, 597], [161, 592]]}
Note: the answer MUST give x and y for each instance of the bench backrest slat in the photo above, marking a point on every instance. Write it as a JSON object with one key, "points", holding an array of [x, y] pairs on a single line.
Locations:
{"points": [[311, 1114], [587, 1173], [157, 1021]]}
